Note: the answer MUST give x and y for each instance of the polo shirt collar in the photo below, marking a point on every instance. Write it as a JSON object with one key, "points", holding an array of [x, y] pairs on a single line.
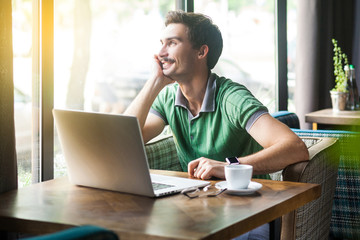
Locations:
{"points": [[208, 104]]}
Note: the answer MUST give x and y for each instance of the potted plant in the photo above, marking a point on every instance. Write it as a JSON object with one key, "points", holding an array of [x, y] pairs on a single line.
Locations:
{"points": [[339, 93]]}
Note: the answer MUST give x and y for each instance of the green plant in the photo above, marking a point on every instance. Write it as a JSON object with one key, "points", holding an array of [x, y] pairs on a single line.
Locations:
{"points": [[340, 61]]}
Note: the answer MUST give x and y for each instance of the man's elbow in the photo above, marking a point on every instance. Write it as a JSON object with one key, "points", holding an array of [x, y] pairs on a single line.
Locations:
{"points": [[301, 151]]}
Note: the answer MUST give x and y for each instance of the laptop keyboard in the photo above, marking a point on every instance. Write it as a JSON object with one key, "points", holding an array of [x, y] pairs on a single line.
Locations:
{"points": [[158, 186]]}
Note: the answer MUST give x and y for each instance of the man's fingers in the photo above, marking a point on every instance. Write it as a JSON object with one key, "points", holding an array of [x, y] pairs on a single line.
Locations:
{"points": [[206, 174], [199, 172], [192, 166]]}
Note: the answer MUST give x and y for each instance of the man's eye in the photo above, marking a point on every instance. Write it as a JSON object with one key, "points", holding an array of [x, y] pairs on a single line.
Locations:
{"points": [[171, 43]]}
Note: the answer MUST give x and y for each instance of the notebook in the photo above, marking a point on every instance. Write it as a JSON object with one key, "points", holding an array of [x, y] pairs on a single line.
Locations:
{"points": [[106, 151]]}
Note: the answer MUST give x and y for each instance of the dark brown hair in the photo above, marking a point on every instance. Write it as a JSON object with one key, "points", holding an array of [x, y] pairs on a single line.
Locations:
{"points": [[201, 31]]}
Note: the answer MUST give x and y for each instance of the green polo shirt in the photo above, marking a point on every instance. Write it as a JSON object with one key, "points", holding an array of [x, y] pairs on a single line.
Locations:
{"points": [[220, 129]]}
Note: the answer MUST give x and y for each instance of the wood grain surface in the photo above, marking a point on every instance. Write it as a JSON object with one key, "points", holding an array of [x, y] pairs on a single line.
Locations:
{"points": [[57, 204]]}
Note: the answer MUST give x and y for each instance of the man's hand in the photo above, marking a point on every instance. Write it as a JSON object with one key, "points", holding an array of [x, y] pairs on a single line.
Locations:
{"points": [[205, 168], [150, 124], [159, 74]]}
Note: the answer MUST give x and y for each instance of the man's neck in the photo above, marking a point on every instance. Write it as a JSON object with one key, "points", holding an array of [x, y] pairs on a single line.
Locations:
{"points": [[194, 92]]}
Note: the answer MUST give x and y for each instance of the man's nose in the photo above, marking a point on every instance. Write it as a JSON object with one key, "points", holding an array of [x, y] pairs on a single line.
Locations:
{"points": [[163, 51]]}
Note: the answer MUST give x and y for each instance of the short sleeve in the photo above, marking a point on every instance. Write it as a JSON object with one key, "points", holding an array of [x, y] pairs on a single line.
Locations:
{"points": [[240, 105], [164, 102]]}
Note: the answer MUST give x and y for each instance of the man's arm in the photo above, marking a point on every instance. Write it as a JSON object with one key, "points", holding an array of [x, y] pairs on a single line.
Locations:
{"points": [[150, 124], [282, 147]]}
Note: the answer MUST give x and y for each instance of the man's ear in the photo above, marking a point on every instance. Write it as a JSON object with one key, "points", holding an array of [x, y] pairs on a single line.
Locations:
{"points": [[203, 51]]}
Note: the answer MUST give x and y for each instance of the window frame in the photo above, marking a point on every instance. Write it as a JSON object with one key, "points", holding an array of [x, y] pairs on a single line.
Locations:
{"points": [[281, 54], [46, 103]]}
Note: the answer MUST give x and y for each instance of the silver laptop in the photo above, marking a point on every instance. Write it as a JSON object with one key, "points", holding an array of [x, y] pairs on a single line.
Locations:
{"points": [[106, 151]]}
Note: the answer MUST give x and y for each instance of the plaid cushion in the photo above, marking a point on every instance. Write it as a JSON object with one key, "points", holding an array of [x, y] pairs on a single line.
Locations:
{"points": [[345, 220], [162, 155]]}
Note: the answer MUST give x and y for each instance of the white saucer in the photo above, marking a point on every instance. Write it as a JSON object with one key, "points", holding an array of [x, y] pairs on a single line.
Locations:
{"points": [[253, 187]]}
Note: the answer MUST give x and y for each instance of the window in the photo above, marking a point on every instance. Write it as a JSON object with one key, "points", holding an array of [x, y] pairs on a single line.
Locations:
{"points": [[102, 52], [248, 57], [25, 104]]}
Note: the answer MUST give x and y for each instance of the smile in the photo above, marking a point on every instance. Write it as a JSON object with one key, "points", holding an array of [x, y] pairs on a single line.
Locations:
{"points": [[166, 59], [166, 62]]}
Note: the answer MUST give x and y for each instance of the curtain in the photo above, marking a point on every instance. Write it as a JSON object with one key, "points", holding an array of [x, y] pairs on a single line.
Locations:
{"points": [[356, 43], [8, 166], [318, 22]]}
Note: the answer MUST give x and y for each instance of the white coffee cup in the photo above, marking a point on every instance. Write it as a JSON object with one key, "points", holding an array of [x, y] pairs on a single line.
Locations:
{"points": [[238, 176]]}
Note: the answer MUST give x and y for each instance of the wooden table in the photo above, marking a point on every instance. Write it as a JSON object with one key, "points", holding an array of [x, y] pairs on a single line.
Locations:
{"points": [[329, 117], [56, 204]]}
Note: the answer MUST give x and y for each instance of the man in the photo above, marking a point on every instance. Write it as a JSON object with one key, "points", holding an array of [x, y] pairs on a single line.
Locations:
{"points": [[211, 117]]}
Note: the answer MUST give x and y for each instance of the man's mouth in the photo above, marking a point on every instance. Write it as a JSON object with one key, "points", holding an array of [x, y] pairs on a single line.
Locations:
{"points": [[166, 62]]}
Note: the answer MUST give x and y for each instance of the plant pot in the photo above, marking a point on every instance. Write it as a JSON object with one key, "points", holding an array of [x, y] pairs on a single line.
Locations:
{"points": [[338, 100]]}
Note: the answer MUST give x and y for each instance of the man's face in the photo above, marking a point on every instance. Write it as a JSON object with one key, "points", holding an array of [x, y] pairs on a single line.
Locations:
{"points": [[177, 55]]}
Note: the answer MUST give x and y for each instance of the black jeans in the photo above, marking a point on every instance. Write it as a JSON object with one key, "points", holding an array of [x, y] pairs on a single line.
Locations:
{"points": [[259, 233]]}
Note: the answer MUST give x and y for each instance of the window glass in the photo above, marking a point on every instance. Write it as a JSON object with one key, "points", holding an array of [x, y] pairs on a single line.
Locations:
{"points": [[248, 57], [22, 72], [103, 51]]}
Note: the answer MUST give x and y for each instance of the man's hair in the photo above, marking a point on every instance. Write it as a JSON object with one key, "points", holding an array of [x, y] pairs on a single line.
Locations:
{"points": [[201, 31]]}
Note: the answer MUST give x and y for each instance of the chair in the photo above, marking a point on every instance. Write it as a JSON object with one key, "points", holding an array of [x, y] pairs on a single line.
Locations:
{"points": [[345, 220], [288, 118], [87, 232], [312, 221], [322, 169]]}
